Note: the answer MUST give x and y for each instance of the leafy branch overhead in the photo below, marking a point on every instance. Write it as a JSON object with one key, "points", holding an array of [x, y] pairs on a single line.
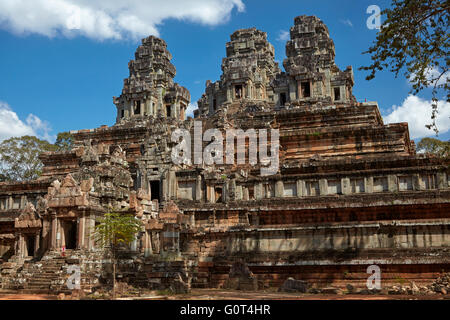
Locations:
{"points": [[414, 39]]}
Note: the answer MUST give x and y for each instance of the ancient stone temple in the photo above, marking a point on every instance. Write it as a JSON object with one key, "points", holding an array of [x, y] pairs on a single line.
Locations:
{"points": [[347, 192]]}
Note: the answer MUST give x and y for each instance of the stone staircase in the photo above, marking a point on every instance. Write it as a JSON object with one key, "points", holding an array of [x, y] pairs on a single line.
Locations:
{"points": [[48, 275]]}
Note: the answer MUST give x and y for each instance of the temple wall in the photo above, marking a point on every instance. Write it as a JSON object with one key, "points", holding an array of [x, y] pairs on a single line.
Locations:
{"points": [[298, 240]]}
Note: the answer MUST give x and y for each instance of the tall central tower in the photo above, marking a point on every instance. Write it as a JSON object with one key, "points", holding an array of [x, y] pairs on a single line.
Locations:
{"points": [[149, 91]]}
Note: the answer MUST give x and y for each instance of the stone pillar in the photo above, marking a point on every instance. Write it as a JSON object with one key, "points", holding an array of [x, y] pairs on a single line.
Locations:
{"points": [[416, 181], [392, 183], [441, 180], [20, 252], [258, 191], [91, 222], [80, 238], [323, 187], [172, 185], [23, 201], [36, 243], [53, 232], [238, 193], [279, 189], [198, 188], [301, 188], [147, 244], [60, 239], [368, 184], [292, 90], [211, 195], [346, 186], [232, 190], [165, 187], [245, 194], [225, 192], [299, 89]]}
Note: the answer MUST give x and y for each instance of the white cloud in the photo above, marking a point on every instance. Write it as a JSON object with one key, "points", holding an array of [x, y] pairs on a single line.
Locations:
{"points": [[417, 112], [190, 109], [12, 126], [108, 19], [347, 22], [283, 35]]}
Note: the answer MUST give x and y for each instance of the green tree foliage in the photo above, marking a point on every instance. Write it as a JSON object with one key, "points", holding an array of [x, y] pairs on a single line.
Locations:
{"points": [[115, 229], [414, 38], [64, 141], [434, 146], [19, 158]]}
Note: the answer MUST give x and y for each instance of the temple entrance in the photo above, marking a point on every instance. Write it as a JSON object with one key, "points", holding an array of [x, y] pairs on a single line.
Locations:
{"points": [[30, 243], [306, 89], [154, 187], [70, 234]]}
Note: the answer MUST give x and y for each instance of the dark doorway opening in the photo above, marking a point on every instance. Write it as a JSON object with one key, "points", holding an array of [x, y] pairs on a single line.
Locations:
{"points": [[30, 245], [154, 186], [282, 98], [337, 93], [218, 192], [70, 234], [238, 91], [168, 111], [137, 107], [306, 90]]}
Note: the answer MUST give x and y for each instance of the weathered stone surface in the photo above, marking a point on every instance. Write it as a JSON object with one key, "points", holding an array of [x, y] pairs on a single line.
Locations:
{"points": [[292, 285]]}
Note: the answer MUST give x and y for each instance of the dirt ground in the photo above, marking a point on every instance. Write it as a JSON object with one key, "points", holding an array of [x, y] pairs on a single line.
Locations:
{"points": [[217, 294]]}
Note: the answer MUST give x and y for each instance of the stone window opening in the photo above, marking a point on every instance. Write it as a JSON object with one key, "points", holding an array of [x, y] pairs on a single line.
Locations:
{"points": [[251, 193], [137, 107], [3, 204], [405, 183], [380, 184], [429, 181], [168, 110], [16, 203], [306, 89], [357, 185], [238, 91], [218, 193], [337, 93], [122, 113], [214, 104], [155, 190]]}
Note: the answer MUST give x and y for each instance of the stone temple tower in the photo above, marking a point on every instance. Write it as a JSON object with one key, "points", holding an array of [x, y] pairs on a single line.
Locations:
{"points": [[248, 70], [149, 91], [311, 73]]}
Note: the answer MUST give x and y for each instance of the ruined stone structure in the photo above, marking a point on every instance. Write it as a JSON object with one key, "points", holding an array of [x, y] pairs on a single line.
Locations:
{"points": [[349, 192]]}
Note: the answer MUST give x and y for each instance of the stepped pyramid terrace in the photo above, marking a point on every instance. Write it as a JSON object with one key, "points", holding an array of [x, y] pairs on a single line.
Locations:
{"points": [[348, 190]]}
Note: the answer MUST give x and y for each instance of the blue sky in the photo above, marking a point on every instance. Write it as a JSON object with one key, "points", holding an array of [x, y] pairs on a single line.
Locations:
{"points": [[55, 79]]}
